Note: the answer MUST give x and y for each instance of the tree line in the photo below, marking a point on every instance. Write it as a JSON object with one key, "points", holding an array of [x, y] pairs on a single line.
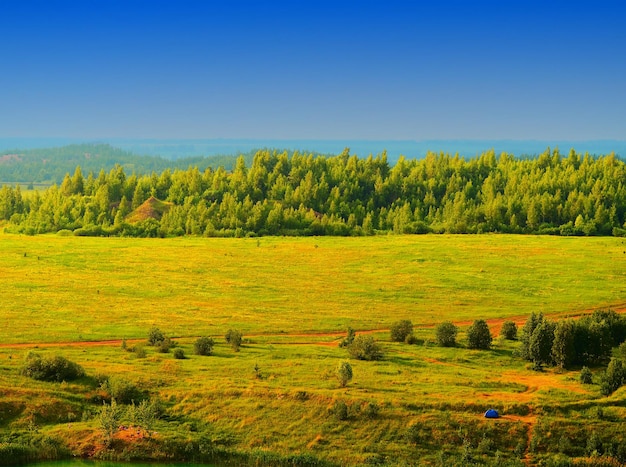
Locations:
{"points": [[279, 193]]}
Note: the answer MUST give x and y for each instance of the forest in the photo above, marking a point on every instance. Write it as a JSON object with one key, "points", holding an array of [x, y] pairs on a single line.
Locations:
{"points": [[279, 193]]}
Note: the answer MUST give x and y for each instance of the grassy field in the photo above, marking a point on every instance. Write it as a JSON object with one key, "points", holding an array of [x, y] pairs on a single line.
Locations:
{"points": [[293, 299]]}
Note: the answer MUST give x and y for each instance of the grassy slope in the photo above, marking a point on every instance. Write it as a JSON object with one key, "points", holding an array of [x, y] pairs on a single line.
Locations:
{"points": [[68, 289]]}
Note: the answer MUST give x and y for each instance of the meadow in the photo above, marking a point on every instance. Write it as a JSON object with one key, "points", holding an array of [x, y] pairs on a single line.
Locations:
{"points": [[293, 299]]}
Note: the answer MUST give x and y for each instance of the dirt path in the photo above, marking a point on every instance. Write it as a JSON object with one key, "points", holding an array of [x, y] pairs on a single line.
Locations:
{"points": [[494, 324]]}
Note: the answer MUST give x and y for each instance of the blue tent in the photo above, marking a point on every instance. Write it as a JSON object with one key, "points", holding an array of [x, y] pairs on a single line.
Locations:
{"points": [[492, 413]]}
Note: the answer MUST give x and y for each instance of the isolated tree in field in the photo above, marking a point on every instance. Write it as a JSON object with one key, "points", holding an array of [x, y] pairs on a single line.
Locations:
{"points": [[613, 378], [344, 373], [203, 346], [365, 348], [478, 335], [540, 346], [155, 336], [509, 330], [234, 337], [563, 350], [400, 330], [446, 334], [56, 368]]}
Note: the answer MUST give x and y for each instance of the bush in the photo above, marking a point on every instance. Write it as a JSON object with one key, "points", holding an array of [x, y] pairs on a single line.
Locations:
{"points": [[155, 336], [340, 410], [365, 348], [372, 410], [344, 373], [165, 345], [203, 346], [122, 390], [346, 341], [586, 377], [51, 368], [234, 338], [613, 378], [400, 330], [179, 354], [509, 330], [446, 334], [478, 335]]}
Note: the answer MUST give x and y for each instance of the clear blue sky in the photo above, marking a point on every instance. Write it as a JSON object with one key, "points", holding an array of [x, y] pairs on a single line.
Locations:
{"points": [[313, 69]]}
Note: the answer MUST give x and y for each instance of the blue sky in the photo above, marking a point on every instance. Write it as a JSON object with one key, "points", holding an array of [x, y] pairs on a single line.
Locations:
{"points": [[313, 69]]}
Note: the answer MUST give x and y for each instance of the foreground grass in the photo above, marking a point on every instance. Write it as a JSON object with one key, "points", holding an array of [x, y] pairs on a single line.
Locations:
{"points": [[279, 291]]}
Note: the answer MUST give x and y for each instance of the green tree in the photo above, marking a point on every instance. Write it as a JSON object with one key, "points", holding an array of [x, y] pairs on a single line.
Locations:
{"points": [[234, 337], [446, 333], [365, 348], [478, 335], [541, 344], [527, 331], [400, 330], [155, 336], [563, 350], [344, 373], [109, 420]]}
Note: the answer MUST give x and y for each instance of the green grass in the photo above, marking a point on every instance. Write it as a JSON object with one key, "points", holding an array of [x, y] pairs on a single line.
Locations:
{"points": [[93, 289], [278, 291]]}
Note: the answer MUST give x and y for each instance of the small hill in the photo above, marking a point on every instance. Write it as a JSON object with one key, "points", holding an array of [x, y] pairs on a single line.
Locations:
{"points": [[152, 208]]}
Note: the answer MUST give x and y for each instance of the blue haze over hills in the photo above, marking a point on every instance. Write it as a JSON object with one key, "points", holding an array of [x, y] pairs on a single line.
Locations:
{"points": [[181, 148]]}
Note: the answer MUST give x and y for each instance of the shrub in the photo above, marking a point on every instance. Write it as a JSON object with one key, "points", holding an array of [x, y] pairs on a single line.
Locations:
{"points": [[613, 378], [372, 409], [179, 354], [234, 338], [55, 368], [139, 351], [446, 334], [346, 341], [509, 330], [109, 418], [203, 346], [365, 348], [340, 410], [344, 373], [478, 335], [400, 330], [165, 345], [586, 377], [155, 336], [122, 390]]}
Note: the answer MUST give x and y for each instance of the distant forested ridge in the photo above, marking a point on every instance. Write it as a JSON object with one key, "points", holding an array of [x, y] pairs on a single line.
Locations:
{"points": [[51, 164], [303, 194]]}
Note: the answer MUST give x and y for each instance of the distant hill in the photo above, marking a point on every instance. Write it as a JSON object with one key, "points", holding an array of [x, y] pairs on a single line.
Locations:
{"points": [[49, 165]]}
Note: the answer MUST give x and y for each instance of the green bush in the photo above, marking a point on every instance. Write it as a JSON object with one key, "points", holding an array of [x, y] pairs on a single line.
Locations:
{"points": [[234, 338], [179, 354], [165, 345], [155, 336], [346, 341], [122, 390], [55, 368], [509, 330], [365, 348], [400, 330], [340, 410], [203, 346], [344, 373], [586, 377], [446, 334]]}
